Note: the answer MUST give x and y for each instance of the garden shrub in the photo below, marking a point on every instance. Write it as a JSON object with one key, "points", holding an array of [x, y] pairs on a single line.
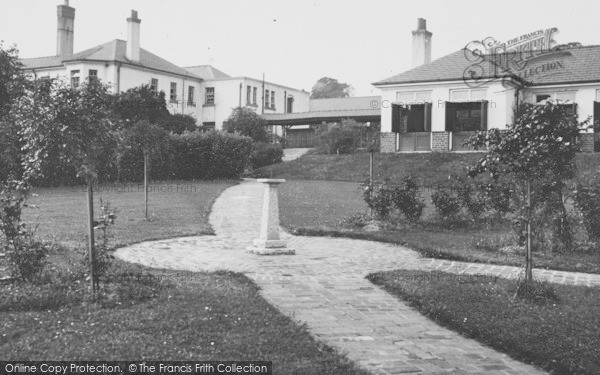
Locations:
{"points": [[25, 254], [192, 155], [407, 198], [379, 199], [446, 202], [266, 154], [587, 200], [344, 138], [384, 198]]}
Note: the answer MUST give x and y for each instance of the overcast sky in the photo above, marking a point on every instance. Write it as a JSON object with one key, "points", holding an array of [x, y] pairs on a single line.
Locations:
{"points": [[296, 42]]}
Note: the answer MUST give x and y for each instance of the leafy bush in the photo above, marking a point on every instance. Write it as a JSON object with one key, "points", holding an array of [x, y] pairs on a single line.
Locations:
{"points": [[379, 199], [345, 138], [266, 154], [407, 198], [587, 199], [384, 198], [26, 255], [178, 123], [246, 122], [446, 202], [192, 155]]}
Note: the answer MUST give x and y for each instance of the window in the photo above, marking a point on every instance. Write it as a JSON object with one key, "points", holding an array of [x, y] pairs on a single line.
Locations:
{"points": [[468, 95], [563, 98], [208, 126], [93, 74], [466, 116], [173, 96], [154, 85], [267, 101], [191, 92], [410, 97], [273, 99], [248, 95], [254, 95], [75, 78], [210, 95], [290, 104]]}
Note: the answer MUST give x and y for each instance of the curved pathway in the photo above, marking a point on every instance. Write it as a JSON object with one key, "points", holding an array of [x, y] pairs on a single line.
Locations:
{"points": [[324, 286]]}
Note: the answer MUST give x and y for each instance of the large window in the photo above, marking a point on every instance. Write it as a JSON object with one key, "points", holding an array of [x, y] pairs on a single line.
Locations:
{"points": [[267, 99], [254, 95], [210, 95], [92, 74], [466, 116], [563, 98], [273, 99], [154, 85], [411, 118], [173, 95], [75, 77], [248, 95], [191, 92]]}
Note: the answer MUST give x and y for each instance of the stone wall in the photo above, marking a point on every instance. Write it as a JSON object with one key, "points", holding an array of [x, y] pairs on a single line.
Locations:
{"points": [[440, 141], [387, 142]]}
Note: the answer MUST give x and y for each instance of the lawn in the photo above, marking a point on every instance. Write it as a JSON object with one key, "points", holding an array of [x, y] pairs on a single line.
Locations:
{"points": [[148, 314], [312, 207], [431, 169], [562, 336]]}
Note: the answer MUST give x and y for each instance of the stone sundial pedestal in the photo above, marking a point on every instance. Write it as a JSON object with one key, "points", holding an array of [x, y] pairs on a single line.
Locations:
{"points": [[269, 242]]}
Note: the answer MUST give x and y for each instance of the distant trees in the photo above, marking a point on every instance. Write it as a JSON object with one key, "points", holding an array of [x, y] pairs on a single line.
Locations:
{"points": [[244, 121], [327, 87]]}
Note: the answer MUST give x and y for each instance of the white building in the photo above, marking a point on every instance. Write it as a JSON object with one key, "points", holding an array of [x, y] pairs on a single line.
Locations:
{"points": [[223, 92], [203, 92], [437, 104]]}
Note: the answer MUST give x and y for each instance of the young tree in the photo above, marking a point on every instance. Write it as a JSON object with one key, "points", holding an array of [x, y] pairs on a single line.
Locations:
{"points": [[77, 124], [537, 150], [146, 138], [12, 85], [246, 122], [330, 88]]}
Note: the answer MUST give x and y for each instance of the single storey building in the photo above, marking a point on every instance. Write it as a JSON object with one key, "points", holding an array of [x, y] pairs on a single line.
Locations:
{"points": [[437, 104]]}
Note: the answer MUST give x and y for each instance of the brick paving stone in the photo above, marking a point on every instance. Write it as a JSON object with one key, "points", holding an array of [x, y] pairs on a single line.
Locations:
{"points": [[324, 286]]}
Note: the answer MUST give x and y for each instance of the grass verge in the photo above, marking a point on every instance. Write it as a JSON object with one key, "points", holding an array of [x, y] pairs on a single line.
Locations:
{"points": [[318, 208], [208, 316], [147, 314], [561, 336]]}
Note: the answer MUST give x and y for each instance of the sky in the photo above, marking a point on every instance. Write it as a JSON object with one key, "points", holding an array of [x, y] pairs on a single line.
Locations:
{"points": [[295, 43]]}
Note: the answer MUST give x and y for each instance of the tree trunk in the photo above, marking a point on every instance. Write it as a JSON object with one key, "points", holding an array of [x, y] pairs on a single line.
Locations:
{"points": [[146, 184], [529, 256], [90, 196]]}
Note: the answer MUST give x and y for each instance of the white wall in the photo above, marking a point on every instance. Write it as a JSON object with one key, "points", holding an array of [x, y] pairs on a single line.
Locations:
{"points": [[227, 97], [500, 106]]}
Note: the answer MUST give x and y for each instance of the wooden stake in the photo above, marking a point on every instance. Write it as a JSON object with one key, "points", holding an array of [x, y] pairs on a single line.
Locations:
{"points": [[90, 196]]}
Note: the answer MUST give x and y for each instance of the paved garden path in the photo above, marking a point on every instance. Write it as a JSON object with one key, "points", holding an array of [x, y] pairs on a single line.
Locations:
{"points": [[294, 153], [324, 286]]}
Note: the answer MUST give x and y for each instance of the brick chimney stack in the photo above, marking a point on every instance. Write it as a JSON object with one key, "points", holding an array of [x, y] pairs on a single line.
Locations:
{"points": [[133, 37], [421, 47], [65, 29]]}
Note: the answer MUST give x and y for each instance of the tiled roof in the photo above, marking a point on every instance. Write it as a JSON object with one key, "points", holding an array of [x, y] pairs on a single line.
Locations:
{"points": [[340, 104], [113, 51], [207, 72], [579, 64], [42, 62]]}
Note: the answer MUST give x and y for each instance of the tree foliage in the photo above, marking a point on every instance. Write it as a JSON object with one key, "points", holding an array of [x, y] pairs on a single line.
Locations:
{"points": [[246, 122], [330, 88], [141, 103], [536, 152]]}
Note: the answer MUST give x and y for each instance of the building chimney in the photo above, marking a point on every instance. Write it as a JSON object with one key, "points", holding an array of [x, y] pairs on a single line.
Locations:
{"points": [[65, 29], [421, 47], [133, 37]]}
